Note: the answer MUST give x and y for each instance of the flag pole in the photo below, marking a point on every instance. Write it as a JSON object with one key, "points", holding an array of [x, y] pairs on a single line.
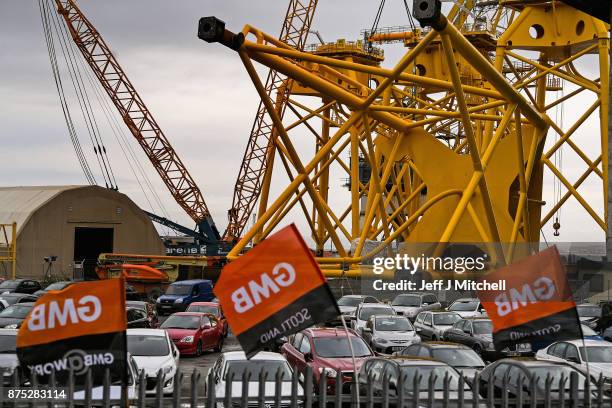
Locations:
{"points": [[355, 374]]}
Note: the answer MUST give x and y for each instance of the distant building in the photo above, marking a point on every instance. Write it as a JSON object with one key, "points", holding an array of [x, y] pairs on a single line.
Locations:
{"points": [[63, 229]]}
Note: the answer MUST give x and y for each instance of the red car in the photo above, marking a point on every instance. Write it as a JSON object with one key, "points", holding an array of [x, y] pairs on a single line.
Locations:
{"points": [[212, 308], [326, 349], [192, 333]]}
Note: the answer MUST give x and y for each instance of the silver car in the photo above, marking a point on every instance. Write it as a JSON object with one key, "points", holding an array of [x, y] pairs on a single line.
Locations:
{"points": [[432, 325], [366, 310], [233, 366], [411, 304], [389, 333]]}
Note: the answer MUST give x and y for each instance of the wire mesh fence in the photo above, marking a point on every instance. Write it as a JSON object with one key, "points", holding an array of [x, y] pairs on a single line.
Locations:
{"points": [[406, 389]]}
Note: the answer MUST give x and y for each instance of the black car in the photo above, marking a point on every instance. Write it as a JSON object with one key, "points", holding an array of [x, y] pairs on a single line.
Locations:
{"points": [[8, 356], [19, 286], [8, 299], [477, 333], [137, 318], [523, 375], [459, 356], [131, 293], [147, 307], [13, 316], [54, 286]]}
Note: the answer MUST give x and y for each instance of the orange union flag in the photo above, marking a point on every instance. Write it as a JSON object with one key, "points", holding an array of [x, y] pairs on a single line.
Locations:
{"points": [[274, 290], [536, 306], [78, 328]]}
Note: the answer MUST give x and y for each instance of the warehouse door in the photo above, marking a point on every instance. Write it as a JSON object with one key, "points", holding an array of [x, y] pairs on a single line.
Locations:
{"points": [[89, 243]]}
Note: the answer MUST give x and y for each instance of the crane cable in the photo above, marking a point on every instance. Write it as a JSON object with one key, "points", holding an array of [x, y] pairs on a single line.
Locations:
{"points": [[62, 96], [71, 61]]}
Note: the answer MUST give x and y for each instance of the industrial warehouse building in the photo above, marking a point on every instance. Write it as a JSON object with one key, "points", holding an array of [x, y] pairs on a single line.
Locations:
{"points": [[61, 230]]}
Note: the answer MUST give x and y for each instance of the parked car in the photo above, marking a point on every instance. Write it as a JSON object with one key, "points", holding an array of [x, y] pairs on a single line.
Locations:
{"points": [[348, 303], [153, 351], [8, 355], [589, 314], [578, 353], [477, 333], [389, 333], [13, 316], [459, 356], [467, 307], [411, 304], [326, 350], [511, 375], [137, 318], [148, 308], [432, 325], [19, 286], [234, 366], [132, 294], [54, 286], [193, 333], [8, 299], [115, 391], [414, 370], [366, 310], [179, 295], [212, 308]]}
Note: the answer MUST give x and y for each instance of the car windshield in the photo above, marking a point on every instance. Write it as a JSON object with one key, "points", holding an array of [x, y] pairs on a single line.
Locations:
{"points": [[455, 357], [555, 373], [16, 311], [406, 300], [254, 368], [9, 285], [336, 347], [445, 319], [144, 345], [9, 299], [349, 301], [57, 286], [438, 372], [464, 306], [587, 331], [204, 309], [178, 290], [600, 354], [589, 311], [8, 344], [393, 324], [181, 322], [366, 312], [483, 327]]}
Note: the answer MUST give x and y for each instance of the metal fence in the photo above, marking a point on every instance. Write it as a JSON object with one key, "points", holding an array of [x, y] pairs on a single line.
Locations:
{"points": [[408, 390]]}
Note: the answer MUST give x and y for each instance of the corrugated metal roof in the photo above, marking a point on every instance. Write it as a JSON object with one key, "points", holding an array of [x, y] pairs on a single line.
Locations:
{"points": [[18, 203]]}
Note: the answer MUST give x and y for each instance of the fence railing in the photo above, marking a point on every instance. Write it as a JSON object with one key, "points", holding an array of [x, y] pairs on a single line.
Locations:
{"points": [[409, 389]]}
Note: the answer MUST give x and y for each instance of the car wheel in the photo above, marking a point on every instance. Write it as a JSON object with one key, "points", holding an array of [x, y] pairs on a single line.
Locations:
{"points": [[219, 345], [199, 349]]}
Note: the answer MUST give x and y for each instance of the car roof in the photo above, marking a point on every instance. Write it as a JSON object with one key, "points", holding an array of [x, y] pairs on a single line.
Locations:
{"points": [[355, 296], [533, 362], [136, 302], [413, 360], [262, 355], [191, 281], [389, 316], [188, 314], [376, 305], [414, 293], [204, 304], [8, 332], [329, 332], [588, 342], [466, 300], [475, 318], [146, 332], [24, 304], [587, 304], [444, 344], [15, 294]]}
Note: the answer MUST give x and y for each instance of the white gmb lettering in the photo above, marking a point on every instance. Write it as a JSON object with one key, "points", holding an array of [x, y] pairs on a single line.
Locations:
{"points": [[256, 291], [53, 314], [542, 289]]}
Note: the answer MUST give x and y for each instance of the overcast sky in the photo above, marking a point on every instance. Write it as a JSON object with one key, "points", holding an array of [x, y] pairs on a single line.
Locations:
{"points": [[199, 93]]}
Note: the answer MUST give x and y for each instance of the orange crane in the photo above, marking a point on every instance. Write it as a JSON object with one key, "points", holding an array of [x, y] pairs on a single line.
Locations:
{"points": [[140, 122], [259, 154]]}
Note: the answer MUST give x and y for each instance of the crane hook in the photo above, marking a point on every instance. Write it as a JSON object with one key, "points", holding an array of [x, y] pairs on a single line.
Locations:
{"points": [[556, 227]]}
